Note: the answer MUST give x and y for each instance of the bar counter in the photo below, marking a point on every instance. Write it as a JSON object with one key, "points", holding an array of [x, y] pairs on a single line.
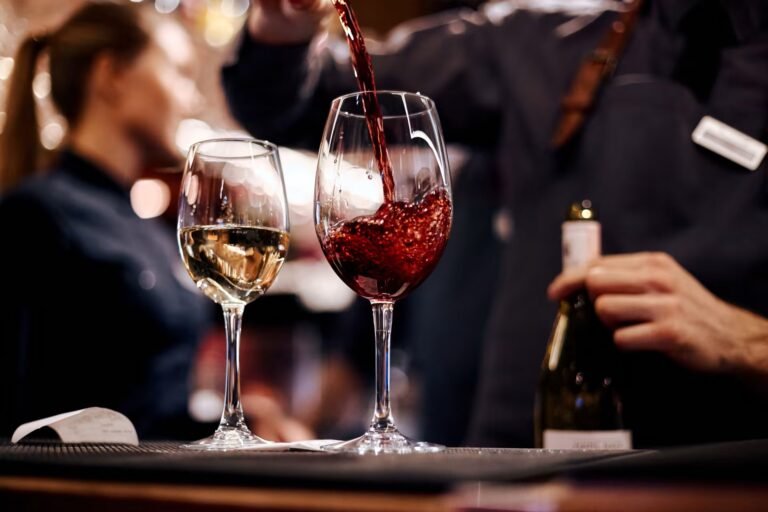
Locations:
{"points": [[160, 476]]}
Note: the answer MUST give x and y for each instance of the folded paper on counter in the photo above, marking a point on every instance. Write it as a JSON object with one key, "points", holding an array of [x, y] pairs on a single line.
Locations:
{"points": [[91, 425]]}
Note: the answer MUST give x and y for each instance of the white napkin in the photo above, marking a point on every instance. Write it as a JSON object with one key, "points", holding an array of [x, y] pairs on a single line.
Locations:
{"points": [[311, 445]]}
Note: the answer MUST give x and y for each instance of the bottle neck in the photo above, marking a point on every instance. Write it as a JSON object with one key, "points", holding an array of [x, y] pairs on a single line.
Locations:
{"points": [[581, 243]]}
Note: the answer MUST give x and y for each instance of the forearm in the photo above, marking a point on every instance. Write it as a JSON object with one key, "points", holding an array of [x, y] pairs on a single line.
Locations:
{"points": [[283, 92], [750, 359]]}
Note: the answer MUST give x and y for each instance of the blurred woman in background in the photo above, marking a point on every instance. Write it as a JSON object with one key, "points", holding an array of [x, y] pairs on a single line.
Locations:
{"points": [[98, 314]]}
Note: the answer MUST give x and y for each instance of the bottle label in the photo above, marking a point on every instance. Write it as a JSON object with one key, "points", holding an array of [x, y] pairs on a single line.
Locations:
{"points": [[581, 243], [587, 439]]}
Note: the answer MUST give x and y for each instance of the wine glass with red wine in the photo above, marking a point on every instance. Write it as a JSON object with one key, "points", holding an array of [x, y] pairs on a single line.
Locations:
{"points": [[233, 235], [383, 213]]}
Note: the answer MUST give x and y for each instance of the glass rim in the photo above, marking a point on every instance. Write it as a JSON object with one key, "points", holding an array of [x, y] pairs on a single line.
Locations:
{"points": [[268, 148], [428, 107]]}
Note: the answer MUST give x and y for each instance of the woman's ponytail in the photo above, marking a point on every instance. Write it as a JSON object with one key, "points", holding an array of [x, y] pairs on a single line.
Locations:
{"points": [[20, 146]]}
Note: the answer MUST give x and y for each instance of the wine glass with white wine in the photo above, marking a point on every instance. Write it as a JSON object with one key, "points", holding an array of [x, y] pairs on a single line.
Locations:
{"points": [[233, 235]]}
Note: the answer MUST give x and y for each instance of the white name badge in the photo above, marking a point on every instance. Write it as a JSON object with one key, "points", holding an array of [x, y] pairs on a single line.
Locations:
{"points": [[729, 143]]}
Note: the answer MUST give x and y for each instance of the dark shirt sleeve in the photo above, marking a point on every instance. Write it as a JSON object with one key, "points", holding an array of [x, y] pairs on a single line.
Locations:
{"points": [[284, 92]]}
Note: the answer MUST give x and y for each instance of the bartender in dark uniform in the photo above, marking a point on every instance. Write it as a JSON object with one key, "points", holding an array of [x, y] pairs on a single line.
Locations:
{"points": [[97, 309], [657, 112]]}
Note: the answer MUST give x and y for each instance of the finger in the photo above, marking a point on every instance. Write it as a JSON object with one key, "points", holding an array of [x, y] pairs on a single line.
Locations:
{"points": [[566, 283], [621, 273], [657, 336], [636, 259], [601, 280], [617, 310]]}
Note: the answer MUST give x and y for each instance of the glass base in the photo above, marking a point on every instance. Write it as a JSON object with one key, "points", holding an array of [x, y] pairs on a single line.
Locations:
{"points": [[227, 438], [383, 442]]}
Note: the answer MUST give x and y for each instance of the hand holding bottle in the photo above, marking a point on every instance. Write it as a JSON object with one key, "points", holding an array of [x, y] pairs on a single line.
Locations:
{"points": [[653, 303], [287, 21]]}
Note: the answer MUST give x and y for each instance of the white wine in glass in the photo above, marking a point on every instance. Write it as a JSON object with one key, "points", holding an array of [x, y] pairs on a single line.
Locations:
{"points": [[233, 235]]}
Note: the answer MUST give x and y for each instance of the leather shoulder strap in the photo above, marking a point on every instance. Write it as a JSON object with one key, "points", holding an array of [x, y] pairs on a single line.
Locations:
{"points": [[599, 65]]}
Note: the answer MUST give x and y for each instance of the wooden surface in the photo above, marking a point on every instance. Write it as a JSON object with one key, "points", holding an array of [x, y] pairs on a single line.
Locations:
{"points": [[46, 494], [43, 494], [612, 497]]}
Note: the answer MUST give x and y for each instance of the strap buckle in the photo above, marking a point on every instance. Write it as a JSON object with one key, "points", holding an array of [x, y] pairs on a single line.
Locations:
{"points": [[607, 59]]}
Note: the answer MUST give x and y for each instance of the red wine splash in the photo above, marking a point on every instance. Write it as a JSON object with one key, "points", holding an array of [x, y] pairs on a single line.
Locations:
{"points": [[386, 255], [361, 64]]}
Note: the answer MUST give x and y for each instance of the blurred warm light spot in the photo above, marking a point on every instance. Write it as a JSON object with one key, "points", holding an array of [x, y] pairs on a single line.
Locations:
{"points": [[51, 135], [41, 85], [221, 20], [299, 175], [166, 6], [174, 40], [2, 121], [205, 404], [316, 285], [219, 29], [150, 198], [191, 131], [234, 8], [6, 67]]}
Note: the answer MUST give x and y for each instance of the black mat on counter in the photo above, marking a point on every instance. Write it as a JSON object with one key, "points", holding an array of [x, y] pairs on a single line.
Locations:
{"points": [[736, 462], [165, 462]]}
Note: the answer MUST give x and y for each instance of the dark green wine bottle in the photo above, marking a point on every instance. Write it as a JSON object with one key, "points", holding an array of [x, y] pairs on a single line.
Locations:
{"points": [[578, 402]]}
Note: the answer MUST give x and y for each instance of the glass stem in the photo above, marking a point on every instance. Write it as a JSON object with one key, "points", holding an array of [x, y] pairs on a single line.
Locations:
{"points": [[232, 416], [382, 325]]}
